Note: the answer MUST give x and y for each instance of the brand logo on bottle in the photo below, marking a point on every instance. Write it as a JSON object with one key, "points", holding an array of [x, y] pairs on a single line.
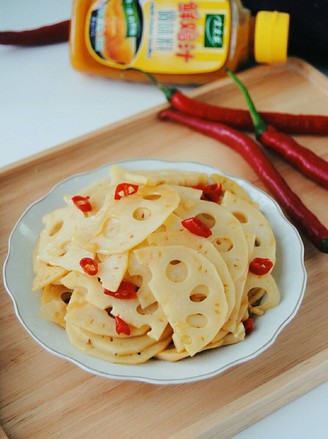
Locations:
{"points": [[214, 30], [132, 18]]}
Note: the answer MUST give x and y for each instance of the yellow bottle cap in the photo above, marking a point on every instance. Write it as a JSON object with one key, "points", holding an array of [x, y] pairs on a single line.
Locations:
{"points": [[271, 37]]}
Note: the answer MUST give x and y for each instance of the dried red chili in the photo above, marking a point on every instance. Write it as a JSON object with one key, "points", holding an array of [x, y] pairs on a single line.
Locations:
{"points": [[260, 266], [239, 118], [125, 189], [248, 325], [300, 215], [52, 34], [82, 203], [211, 192], [197, 227], [310, 164], [121, 326], [89, 266], [126, 290]]}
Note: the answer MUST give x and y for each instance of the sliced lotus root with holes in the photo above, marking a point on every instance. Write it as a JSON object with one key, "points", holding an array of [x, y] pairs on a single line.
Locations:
{"points": [[97, 193], [269, 296], [45, 274], [188, 194], [158, 176], [54, 299], [253, 221], [132, 218], [101, 346], [92, 289], [119, 175], [227, 233], [235, 337], [207, 249], [171, 354], [92, 224], [232, 322], [96, 321], [87, 316], [130, 310], [141, 276], [243, 309], [112, 270], [172, 223], [193, 292], [177, 272], [55, 244]]}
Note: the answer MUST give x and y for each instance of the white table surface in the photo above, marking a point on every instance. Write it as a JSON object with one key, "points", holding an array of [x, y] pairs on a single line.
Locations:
{"points": [[44, 102]]}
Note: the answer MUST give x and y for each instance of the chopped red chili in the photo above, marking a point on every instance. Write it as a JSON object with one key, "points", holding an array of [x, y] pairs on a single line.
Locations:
{"points": [[125, 189], [121, 326], [211, 192], [82, 203], [89, 266], [260, 266], [126, 290], [197, 227], [248, 325]]}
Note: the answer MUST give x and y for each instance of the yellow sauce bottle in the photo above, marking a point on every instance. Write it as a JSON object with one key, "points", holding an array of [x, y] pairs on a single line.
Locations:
{"points": [[179, 41]]}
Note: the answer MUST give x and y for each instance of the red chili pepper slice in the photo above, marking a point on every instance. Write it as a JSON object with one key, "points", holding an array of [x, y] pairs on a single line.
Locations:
{"points": [[260, 266], [126, 290], [121, 326], [89, 266], [211, 192], [82, 203], [197, 227], [248, 325], [125, 189]]}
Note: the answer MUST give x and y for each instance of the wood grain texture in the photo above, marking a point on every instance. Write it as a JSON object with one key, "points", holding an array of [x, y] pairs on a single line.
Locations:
{"points": [[43, 396]]}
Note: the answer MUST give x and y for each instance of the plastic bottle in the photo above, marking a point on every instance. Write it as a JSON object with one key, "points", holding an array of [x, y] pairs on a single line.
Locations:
{"points": [[179, 41]]}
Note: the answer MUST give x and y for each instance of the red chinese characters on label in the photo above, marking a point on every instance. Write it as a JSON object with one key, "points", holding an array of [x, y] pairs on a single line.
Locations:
{"points": [[187, 34]]}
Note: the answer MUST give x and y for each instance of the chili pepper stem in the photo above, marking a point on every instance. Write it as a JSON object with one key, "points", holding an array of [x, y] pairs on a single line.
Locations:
{"points": [[168, 91], [310, 164], [259, 124]]}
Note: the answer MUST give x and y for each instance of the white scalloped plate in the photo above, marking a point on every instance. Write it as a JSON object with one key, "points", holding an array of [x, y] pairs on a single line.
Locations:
{"points": [[18, 277]]}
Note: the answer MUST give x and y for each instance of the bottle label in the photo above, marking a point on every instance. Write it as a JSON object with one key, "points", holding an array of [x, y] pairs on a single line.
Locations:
{"points": [[162, 36]]}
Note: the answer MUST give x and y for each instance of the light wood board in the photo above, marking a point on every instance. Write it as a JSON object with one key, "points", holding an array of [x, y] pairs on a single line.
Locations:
{"points": [[43, 396]]}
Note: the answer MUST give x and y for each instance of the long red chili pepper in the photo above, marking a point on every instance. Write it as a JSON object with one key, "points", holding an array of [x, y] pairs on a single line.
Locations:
{"points": [[241, 119], [52, 34], [302, 158], [300, 215]]}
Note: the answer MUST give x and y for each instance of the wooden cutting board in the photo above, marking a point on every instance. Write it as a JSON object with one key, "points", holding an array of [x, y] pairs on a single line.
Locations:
{"points": [[43, 396]]}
